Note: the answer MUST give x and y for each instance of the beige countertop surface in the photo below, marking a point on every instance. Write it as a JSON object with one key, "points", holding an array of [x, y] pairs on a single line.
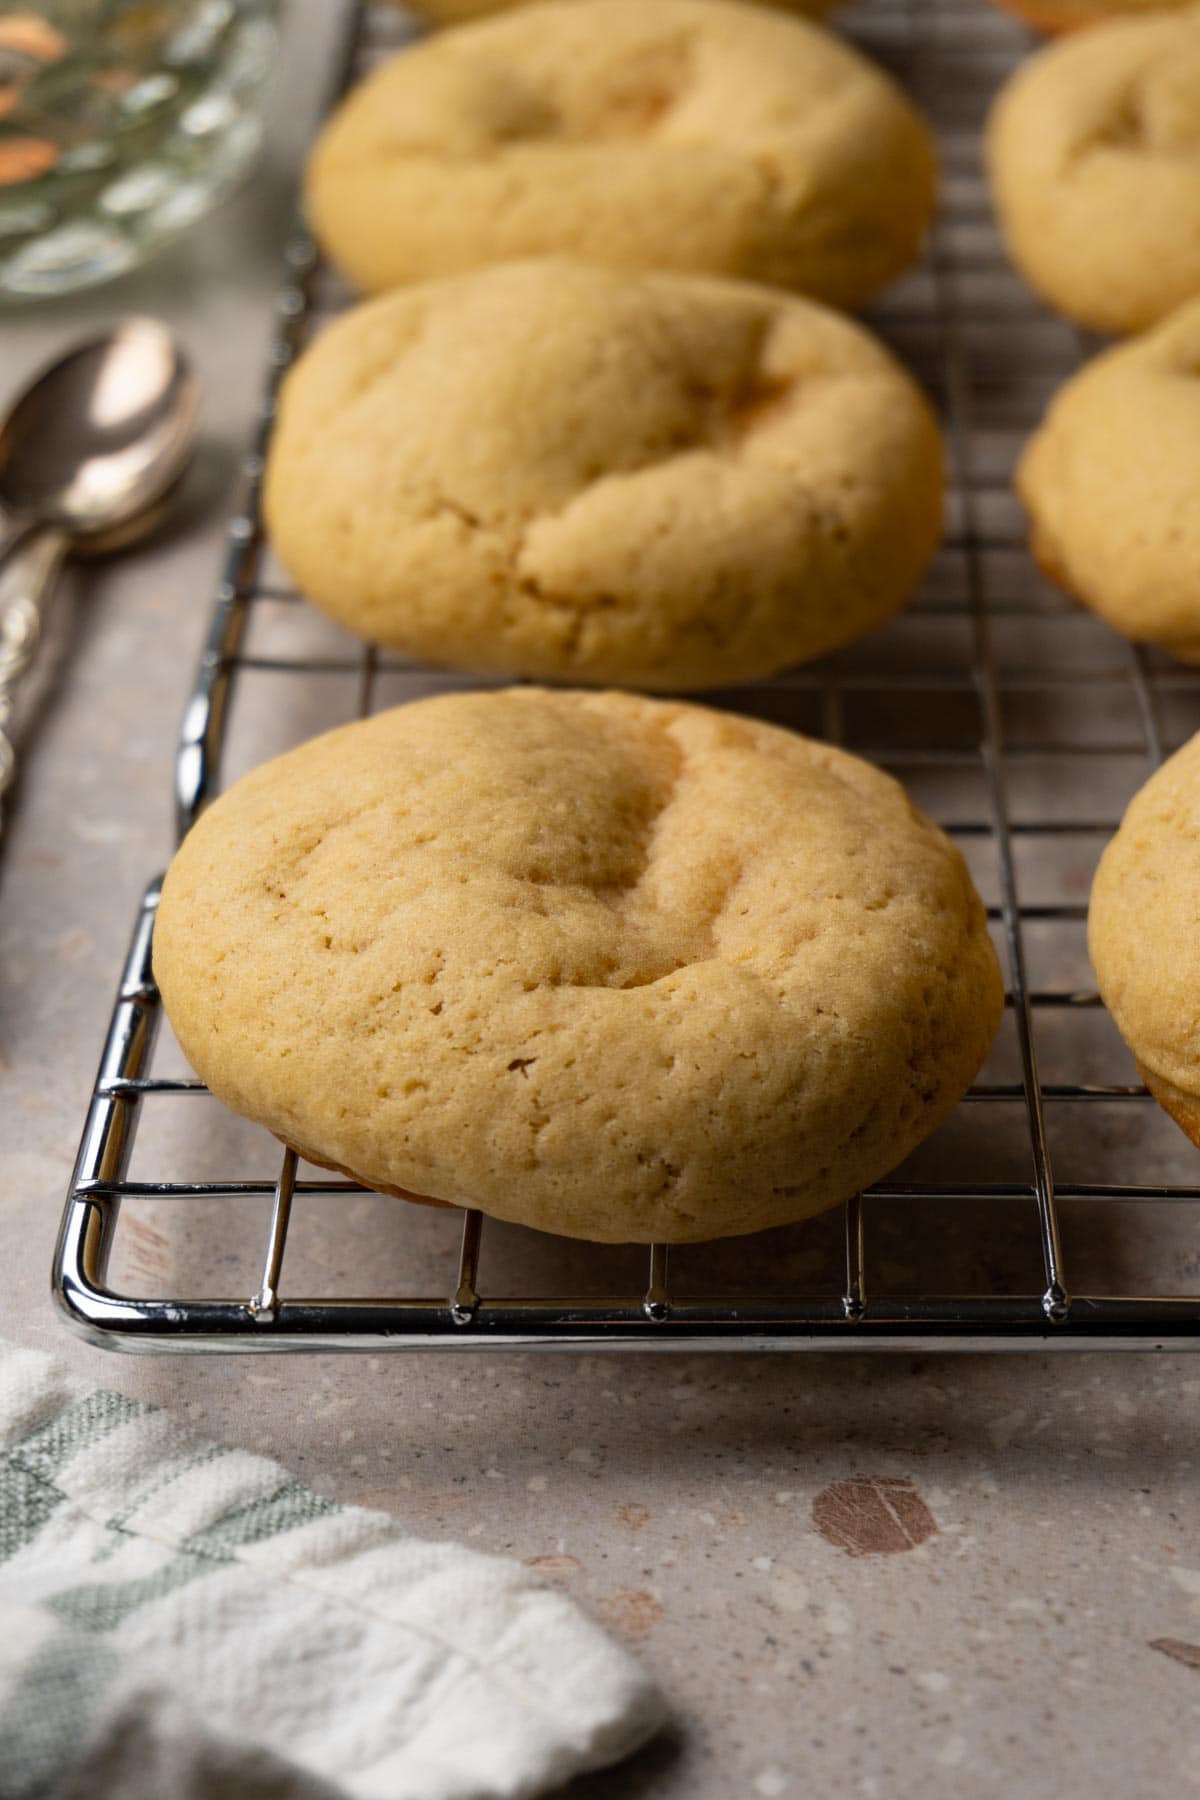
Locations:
{"points": [[875, 1576]]}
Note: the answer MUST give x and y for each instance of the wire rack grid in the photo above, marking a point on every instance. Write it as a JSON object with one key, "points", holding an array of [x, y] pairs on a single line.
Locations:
{"points": [[1021, 724]]}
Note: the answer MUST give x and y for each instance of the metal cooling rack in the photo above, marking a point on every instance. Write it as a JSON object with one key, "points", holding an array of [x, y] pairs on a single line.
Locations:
{"points": [[1019, 722]]}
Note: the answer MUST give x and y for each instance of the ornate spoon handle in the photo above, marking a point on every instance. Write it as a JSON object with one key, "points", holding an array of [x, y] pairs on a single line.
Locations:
{"points": [[25, 584]]}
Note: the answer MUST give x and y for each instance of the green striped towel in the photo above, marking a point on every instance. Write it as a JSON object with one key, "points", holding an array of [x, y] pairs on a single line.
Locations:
{"points": [[181, 1619]]}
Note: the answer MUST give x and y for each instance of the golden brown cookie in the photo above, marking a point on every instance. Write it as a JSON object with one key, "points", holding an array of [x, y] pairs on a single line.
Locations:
{"points": [[1094, 158], [1111, 482], [1054, 16], [455, 12], [1143, 937], [704, 136], [617, 968], [652, 481]]}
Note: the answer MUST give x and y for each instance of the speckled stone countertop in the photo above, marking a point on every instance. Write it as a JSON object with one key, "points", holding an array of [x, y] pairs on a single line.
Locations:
{"points": [[870, 1576]]}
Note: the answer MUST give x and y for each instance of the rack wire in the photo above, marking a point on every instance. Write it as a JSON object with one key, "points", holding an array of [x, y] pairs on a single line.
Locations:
{"points": [[1017, 720]]}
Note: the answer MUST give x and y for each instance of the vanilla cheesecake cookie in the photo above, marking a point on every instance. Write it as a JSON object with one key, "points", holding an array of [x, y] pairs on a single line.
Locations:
{"points": [[1143, 937], [1072, 15], [1094, 157], [618, 968], [1111, 482], [703, 136], [650, 481]]}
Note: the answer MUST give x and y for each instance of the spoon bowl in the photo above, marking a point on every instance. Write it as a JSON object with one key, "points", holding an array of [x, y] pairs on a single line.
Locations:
{"points": [[91, 455], [101, 434]]}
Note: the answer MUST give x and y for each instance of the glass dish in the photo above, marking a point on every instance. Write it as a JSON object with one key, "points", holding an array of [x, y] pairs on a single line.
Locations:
{"points": [[121, 122]]}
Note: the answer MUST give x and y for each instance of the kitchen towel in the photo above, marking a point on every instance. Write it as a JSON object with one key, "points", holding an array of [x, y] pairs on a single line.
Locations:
{"points": [[181, 1618]]}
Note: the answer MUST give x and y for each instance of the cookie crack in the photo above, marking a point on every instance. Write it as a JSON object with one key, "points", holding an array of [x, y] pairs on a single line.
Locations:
{"points": [[1138, 126], [657, 946], [630, 898], [648, 88]]}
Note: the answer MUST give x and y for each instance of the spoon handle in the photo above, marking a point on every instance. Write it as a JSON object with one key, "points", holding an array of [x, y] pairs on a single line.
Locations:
{"points": [[26, 580]]}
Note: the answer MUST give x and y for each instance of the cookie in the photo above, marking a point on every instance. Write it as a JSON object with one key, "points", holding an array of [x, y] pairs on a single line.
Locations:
{"points": [[616, 968], [702, 136], [651, 481], [1142, 934], [1072, 15], [1094, 158], [1111, 484], [454, 12]]}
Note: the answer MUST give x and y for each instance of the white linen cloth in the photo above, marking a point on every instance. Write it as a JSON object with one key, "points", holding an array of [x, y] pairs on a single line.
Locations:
{"points": [[178, 1618]]}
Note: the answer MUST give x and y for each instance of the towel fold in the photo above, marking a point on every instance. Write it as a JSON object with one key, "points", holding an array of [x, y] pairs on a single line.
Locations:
{"points": [[181, 1618]]}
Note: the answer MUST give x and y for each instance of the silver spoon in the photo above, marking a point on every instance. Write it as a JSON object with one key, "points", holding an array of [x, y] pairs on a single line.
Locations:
{"points": [[87, 453]]}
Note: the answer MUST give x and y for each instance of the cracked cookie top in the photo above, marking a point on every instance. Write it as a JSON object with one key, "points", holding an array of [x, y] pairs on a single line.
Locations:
{"points": [[1094, 160], [551, 470], [692, 135], [617, 968]]}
